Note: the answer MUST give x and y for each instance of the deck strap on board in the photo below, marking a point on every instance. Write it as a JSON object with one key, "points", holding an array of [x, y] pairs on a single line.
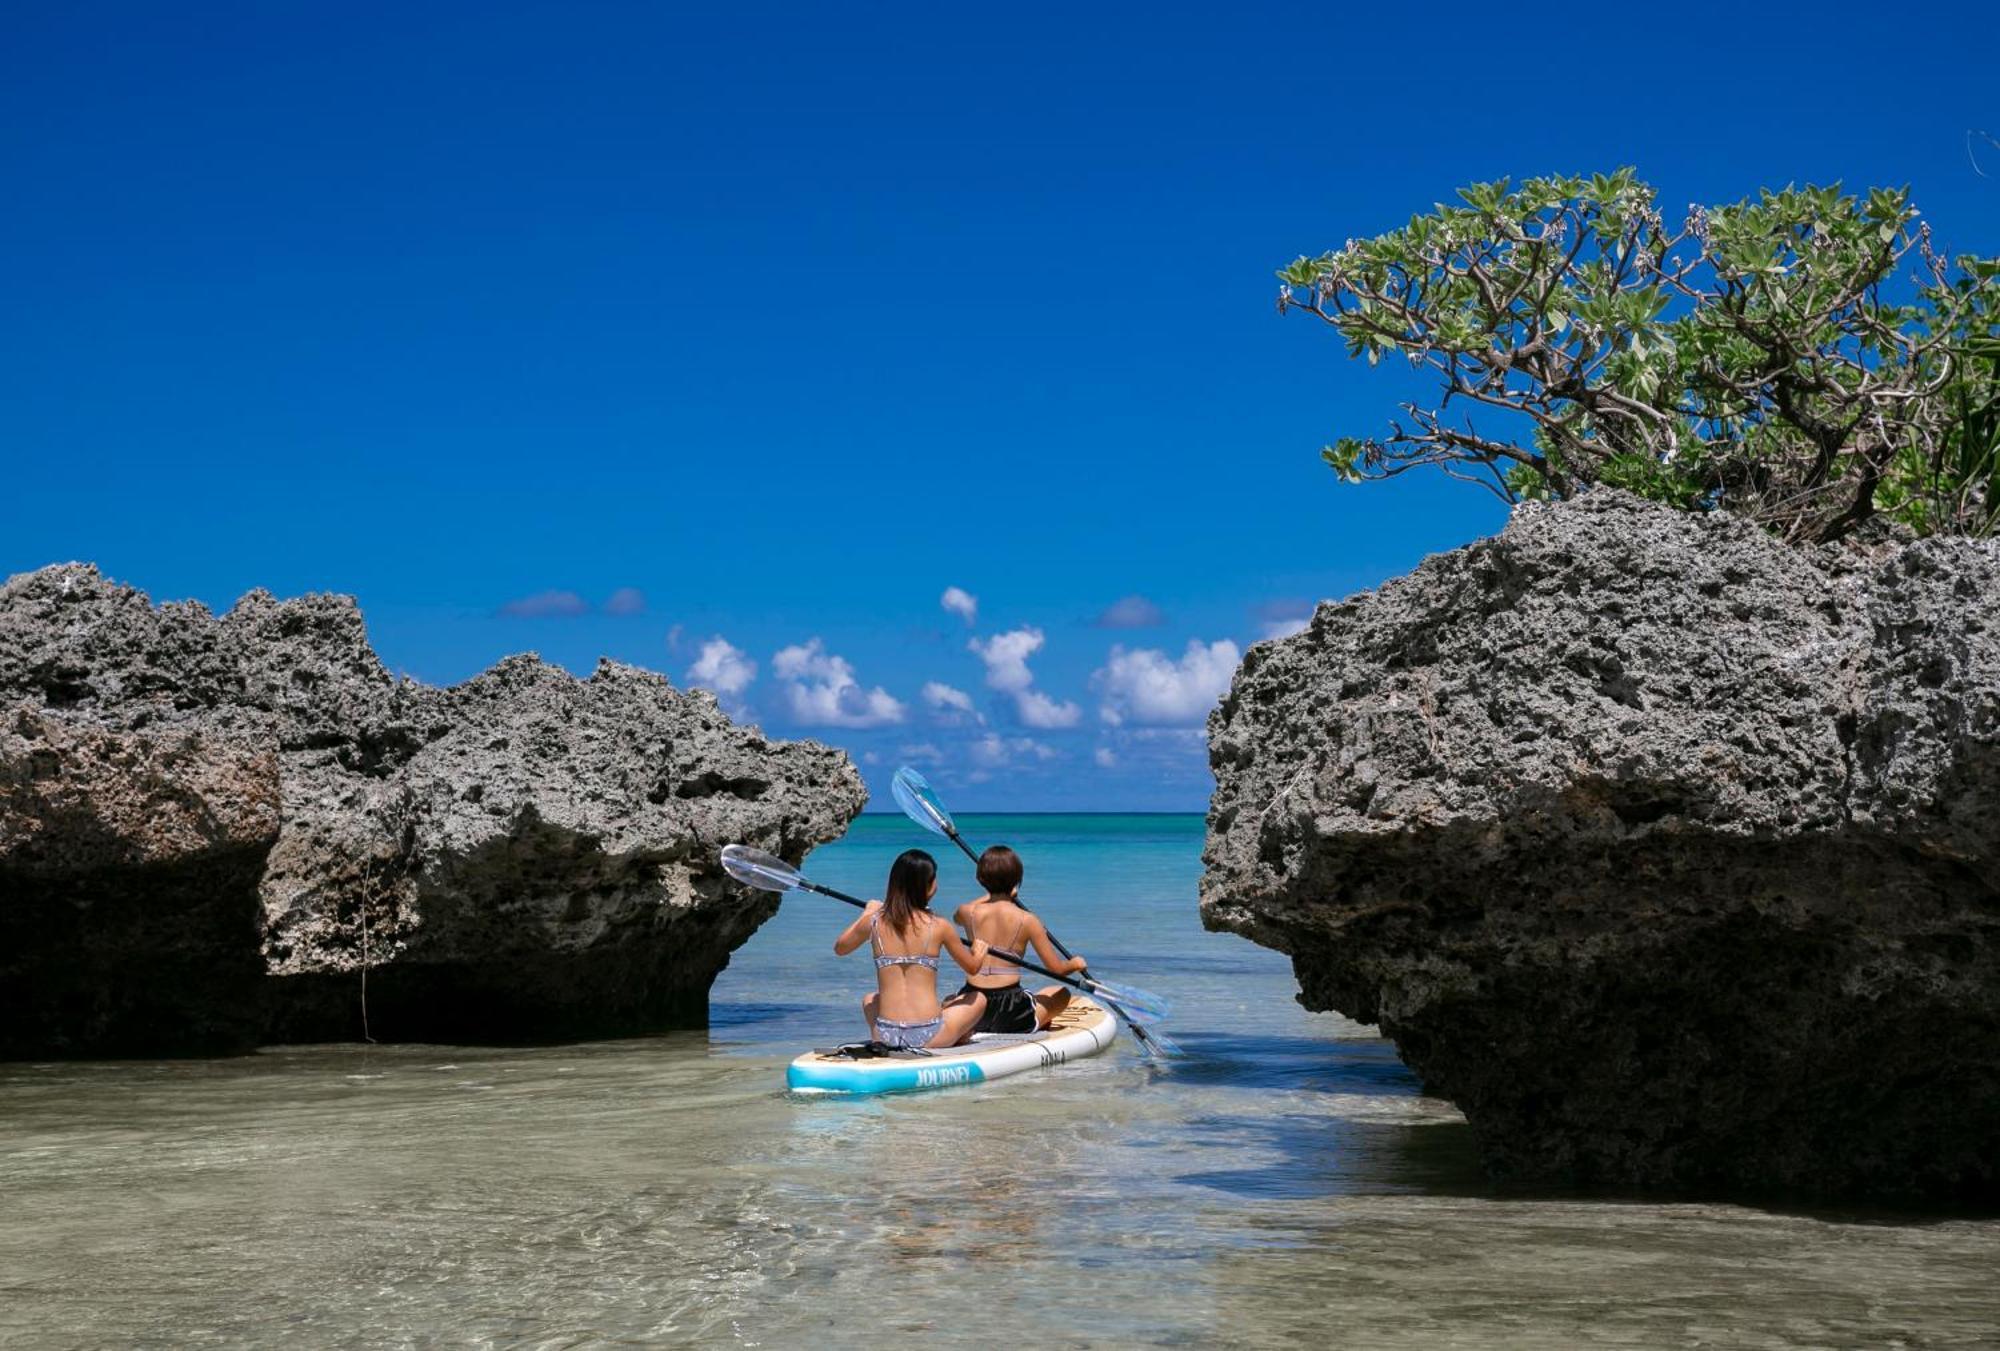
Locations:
{"points": [[871, 1050]]}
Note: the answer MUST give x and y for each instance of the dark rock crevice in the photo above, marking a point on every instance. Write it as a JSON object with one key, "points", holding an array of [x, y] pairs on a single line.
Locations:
{"points": [[157, 960]]}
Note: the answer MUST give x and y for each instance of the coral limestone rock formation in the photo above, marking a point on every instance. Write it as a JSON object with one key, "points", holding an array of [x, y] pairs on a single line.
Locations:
{"points": [[129, 917], [544, 864], [526, 855], [1664, 849]]}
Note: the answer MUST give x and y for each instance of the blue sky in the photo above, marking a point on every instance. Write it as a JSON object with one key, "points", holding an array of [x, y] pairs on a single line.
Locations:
{"points": [[618, 329]]}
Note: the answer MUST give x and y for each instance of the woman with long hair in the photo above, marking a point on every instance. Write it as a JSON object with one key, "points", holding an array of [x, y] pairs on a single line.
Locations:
{"points": [[906, 939], [999, 920]]}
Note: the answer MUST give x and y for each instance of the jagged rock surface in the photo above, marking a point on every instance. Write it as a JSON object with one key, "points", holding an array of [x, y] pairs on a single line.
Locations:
{"points": [[527, 855], [129, 918], [1665, 850]]}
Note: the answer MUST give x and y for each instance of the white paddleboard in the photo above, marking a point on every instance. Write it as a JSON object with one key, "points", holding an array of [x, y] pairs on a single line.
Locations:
{"points": [[1082, 1029]]}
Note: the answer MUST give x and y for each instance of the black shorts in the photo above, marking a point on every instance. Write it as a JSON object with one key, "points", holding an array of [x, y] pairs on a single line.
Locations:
{"points": [[1008, 1009]]}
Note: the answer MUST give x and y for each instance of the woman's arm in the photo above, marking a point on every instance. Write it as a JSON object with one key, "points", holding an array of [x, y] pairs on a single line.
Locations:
{"points": [[1051, 958], [855, 934], [970, 959]]}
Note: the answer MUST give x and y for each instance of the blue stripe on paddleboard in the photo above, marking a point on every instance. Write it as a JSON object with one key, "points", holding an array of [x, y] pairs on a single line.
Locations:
{"points": [[877, 1078]]}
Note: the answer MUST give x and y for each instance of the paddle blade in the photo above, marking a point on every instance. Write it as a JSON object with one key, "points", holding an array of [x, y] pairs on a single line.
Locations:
{"points": [[1155, 1044], [914, 795], [1141, 1006], [755, 868]]}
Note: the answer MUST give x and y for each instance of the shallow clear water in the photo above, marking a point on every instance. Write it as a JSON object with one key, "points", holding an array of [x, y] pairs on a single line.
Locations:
{"points": [[1285, 1184]]}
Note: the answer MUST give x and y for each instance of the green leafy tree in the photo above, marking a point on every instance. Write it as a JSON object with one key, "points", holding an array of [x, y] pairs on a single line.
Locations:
{"points": [[1763, 357]]}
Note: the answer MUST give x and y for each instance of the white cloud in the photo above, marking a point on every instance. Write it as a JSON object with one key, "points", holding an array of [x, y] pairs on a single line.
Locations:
{"points": [[722, 667], [994, 751], [1283, 628], [920, 753], [949, 704], [960, 602], [1006, 657], [1147, 687], [1105, 757], [1038, 710], [821, 690]]}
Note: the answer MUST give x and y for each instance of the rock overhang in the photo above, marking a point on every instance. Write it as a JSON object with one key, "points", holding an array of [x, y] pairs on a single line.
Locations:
{"points": [[521, 855], [1623, 765]]}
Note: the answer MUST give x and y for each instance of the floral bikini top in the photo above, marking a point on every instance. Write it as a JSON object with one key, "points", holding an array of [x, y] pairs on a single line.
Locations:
{"points": [[883, 959]]}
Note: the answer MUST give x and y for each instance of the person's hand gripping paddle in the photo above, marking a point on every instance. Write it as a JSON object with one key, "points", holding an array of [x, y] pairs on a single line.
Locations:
{"points": [[921, 804]]}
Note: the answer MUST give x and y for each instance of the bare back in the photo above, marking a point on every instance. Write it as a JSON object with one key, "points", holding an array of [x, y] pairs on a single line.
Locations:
{"points": [[906, 966], [1006, 927]]}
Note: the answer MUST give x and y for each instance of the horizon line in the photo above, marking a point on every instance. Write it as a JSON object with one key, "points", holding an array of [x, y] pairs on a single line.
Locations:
{"points": [[1043, 811]]}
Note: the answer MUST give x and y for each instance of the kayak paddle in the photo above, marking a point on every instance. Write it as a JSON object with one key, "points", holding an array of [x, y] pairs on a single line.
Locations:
{"points": [[768, 872], [920, 802]]}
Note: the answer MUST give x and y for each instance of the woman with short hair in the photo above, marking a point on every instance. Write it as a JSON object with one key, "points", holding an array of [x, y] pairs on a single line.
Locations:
{"points": [[998, 920]]}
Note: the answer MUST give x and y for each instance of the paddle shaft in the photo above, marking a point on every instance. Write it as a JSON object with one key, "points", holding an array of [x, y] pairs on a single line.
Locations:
{"points": [[1014, 957], [959, 840], [1137, 1031]]}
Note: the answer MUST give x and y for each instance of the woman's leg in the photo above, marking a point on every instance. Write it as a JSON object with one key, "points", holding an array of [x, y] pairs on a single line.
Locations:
{"points": [[961, 1011], [1049, 1001], [869, 1003]]}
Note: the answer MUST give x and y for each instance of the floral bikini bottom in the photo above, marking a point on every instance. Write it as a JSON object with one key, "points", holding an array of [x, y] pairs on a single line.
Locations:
{"points": [[892, 1033], [889, 1032]]}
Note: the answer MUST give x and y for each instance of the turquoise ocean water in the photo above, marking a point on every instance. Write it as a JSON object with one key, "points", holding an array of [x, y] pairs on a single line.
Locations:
{"points": [[1284, 1185]]}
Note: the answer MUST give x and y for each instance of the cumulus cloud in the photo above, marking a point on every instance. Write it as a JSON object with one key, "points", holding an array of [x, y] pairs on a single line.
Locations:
{"points": [[547, 605], [1106, 757], [994, 751], [1006, 658], [821, 691], [1038, 710], [1147, 687], [1133, 612], [626, 600], [960, 602], [722, 667], [948, 703], [1283, 628]]}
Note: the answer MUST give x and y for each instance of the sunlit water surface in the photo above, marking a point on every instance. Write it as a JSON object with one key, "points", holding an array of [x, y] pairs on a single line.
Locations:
{"points": [[1284, 1184]]}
